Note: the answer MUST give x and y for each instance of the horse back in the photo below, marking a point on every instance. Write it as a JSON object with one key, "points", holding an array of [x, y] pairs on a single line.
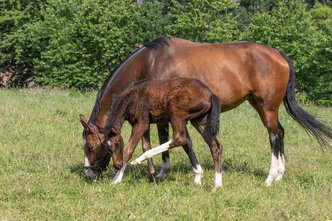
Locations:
{"points": [[233, 71]]}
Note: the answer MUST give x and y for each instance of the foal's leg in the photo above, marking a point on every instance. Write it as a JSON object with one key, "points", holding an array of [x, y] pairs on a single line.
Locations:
{"points": [[137, 132], [163, 138], [179, 139], [202, 125], [193, 160], [269, 116], [147, 146]]}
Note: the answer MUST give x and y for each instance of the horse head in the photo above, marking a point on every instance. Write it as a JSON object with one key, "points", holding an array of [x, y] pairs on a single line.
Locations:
{"points": [[114, 143], [97, 156]]}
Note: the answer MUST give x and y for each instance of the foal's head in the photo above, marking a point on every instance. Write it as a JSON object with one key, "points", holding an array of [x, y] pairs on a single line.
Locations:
{"points": [[97, 156], [114, 142]]}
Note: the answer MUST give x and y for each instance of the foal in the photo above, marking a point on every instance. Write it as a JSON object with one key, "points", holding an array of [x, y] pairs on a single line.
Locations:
{"points": [[176, 101]]}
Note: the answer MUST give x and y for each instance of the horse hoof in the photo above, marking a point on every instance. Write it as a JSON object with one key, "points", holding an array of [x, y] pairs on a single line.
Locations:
{"points": [[267, 184], [135, 163]]}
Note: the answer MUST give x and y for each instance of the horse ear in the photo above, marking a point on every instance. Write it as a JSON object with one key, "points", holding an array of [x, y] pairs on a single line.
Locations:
{"points": [[84, 122], [114, 130]]}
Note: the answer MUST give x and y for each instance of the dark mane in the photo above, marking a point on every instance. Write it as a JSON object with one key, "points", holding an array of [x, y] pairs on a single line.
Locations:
{"points": [[153, 44], [157, 42], [103, 88], [115, 99]]}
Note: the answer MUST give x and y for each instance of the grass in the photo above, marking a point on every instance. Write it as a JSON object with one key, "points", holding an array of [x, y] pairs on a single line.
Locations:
{"points": [[41, 174]]}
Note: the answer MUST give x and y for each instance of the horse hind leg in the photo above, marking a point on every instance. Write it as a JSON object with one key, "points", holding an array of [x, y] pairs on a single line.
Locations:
{"points": [[277, 168], [202, 125], [276, 135], [193, 160]]}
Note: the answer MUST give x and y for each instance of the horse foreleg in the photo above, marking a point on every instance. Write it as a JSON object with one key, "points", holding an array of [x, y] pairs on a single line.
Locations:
{"points": [[150, 153], [179, 139], [147, 146], [136, 134], [163, 138]]}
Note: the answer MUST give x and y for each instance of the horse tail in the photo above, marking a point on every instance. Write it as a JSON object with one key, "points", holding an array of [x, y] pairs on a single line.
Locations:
{"points": [[215, 115], [318, 130]]}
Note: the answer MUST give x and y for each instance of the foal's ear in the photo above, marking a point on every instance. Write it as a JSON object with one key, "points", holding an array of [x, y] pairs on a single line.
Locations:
{"points": [[84, 122], [114, 131]]}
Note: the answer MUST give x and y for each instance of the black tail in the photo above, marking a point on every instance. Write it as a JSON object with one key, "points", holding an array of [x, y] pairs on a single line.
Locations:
{"points": [[321, 132], [214, 115]]}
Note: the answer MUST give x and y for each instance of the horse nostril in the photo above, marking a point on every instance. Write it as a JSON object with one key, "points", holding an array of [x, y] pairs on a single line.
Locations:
{"points": [[118, 166]]}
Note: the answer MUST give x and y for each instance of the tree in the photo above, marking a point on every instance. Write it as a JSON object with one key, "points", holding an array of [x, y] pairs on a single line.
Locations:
{"points": [[203, 20], [16, 49], [322, 59], [87, 39], [289, 28]]}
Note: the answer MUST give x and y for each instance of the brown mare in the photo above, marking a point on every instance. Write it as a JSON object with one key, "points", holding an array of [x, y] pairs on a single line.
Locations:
{"points": [[235, 72], [174, 101]]}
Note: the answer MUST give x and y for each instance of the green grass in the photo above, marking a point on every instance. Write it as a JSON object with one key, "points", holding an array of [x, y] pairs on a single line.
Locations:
{"points": [[41, 174]]}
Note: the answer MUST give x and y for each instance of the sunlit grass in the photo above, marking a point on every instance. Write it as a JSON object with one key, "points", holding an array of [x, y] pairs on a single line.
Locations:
{"points": [[41, 174]]}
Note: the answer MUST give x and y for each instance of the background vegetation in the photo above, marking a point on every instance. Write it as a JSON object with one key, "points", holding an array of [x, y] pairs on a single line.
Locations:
{"points": [[76, 44], [42, 176]]}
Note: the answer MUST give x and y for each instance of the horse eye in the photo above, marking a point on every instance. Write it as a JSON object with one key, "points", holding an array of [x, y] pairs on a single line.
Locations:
{"points": [[90, 148]]}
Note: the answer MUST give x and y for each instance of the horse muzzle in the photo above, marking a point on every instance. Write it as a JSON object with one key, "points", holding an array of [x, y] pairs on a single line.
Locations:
{"points": [[118, 166]]}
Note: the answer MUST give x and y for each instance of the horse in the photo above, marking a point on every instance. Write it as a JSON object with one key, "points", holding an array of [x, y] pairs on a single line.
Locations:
{"points": [[175, 101], [235, 72]]}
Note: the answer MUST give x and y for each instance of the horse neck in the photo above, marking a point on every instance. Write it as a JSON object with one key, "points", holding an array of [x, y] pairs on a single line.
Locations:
{"points": [[123, 76], [117, 114]]}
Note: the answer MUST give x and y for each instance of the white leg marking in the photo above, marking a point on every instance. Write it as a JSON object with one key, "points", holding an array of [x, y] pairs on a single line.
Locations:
{"points": [[217, 180], [118, 177], [281, 167], [88, 172], [273, 170], [152, 152], [198, 174], [166, 165]]}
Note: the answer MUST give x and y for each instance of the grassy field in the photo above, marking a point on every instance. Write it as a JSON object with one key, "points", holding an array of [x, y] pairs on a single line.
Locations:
{"points": [[41, 174]]}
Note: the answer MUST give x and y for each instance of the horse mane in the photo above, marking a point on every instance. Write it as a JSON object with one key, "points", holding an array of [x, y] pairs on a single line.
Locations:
{"points": [[100, 94], [158, 42], [153, 44]]}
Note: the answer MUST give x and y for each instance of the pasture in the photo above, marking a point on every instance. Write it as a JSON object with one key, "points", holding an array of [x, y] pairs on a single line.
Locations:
{"points": [[42, 178]]}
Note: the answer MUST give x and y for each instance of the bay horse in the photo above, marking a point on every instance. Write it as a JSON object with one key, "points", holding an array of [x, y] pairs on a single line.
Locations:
{"points": [[235, 72], [174, 101]]}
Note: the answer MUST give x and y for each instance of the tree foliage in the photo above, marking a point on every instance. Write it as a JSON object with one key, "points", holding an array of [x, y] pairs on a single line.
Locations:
{"points": [[203, 20], [88, 39], [289, 27], [76, 44]]}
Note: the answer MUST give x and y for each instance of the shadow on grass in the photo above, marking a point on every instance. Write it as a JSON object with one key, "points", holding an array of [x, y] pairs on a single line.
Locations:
{"points": [[78, 170], [243, 167], [140, 172]]}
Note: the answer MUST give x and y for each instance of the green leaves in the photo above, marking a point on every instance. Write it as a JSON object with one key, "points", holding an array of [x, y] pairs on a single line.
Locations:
{"points": [[289, 27], [203, 20], [76, 44]]}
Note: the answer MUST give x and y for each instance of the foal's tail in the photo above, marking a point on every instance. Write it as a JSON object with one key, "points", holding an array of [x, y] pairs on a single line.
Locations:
{"points": [[321, 132], [214, 115]]}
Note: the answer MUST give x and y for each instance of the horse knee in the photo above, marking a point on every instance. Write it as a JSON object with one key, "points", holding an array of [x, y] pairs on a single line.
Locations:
{"points": [[179, 140]]}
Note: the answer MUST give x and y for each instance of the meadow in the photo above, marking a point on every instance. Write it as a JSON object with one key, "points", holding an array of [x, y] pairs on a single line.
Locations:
{"points": [[42, 178]]}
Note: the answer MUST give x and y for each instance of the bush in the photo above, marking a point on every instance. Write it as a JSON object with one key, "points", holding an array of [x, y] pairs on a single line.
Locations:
{"points": [[88, 39], [289, 28], [203, 21]]}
